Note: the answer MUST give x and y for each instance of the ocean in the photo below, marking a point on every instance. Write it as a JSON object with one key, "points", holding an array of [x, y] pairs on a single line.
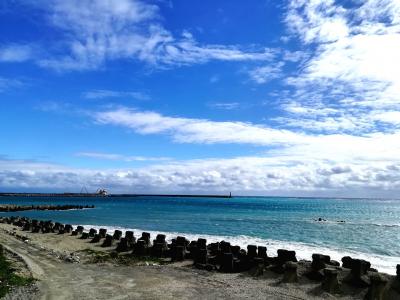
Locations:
{"points": [[371, 227]]}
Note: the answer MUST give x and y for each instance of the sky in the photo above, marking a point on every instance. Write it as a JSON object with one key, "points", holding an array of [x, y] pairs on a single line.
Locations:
{"points": [[289, 98]]}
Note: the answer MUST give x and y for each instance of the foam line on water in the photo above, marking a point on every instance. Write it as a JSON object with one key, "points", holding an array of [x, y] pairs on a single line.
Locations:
{"points": [[382, 263]]}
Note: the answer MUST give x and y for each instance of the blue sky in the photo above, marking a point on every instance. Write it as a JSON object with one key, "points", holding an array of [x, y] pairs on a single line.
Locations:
{"points": [[266, 97]]}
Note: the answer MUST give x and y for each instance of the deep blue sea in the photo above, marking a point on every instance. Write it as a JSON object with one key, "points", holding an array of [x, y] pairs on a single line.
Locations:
{"points": [[371, 230]]}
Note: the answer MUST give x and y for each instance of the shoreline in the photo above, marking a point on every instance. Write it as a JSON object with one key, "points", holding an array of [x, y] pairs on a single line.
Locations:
{"points": [[303, 251], [274, 277]]}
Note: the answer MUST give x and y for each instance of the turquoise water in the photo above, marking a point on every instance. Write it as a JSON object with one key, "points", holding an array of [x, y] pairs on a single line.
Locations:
{"points": [[371, 229]]}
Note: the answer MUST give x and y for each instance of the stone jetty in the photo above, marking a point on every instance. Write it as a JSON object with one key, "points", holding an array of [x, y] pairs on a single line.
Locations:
{"points": [[15, 208], [331, 276]]}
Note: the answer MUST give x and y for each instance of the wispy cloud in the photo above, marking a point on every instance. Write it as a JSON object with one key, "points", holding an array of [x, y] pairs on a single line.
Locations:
{"points": [[104, 94], [185, 130], [98, 31], [266, 73], [294, 145], [15, 53], [353, 74], [119, 157], [224, 105], [9, 83]]}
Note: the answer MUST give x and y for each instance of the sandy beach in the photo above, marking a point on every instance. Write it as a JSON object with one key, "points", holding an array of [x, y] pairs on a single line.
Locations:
{"points": [[65, 268]]}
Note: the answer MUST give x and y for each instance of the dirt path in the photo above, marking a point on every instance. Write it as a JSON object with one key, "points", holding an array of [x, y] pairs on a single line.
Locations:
{"points": [[62, 280]]}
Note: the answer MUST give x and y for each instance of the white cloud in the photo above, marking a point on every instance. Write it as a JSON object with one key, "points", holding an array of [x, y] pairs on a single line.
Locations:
{"points": [[225, 105], [242, 175], [119, 157], [97, 31], [103, 94], [266, 73], [8, 83], [185, 130], [351, 81], [15, 53]]}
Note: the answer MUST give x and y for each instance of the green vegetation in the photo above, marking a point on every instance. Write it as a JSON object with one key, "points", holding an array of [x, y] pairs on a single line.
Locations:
{"points": [[123, 259], [8, 278]]}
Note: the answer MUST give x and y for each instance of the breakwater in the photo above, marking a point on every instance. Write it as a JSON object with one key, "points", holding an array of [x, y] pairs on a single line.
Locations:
{"points": [[15, 208], [110, 195], [352, 274]]}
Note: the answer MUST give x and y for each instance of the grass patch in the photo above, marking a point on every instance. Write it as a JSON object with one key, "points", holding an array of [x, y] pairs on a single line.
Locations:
{"points": [[122, 259], [8, 278]]}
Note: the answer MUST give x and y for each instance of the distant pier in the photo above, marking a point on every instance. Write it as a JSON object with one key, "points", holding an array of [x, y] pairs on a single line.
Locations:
{"points": [[97, 195]]}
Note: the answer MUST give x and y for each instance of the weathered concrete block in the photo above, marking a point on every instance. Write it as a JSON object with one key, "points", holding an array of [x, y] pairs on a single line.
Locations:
{"points": [[84, 236], [178, 253], [377, 288], [330, 283], [201, 257], [80, 229], [68, 228], [103, 232], [227, 263], [319, 262], [140, 248], [357, 276], [108, 241], [251, 251], [92, 232], [262, 252], [123, 245], [96, 238], [117, 234], [201, 243], [290, 272]]}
